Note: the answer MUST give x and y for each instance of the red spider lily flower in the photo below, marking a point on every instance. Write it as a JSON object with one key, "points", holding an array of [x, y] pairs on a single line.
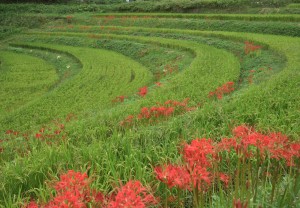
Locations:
{"points": [[121, 98], [224, 178], [239, 204], [173, 176], [295, 149], [227, 87], [169, 111], [282, 148], [42, 130], [145, 113], [220, 91], [9, 132], [260, 141], [250, 47], [160, 111], [201, 178], [68, 199], [98, 196], [197, 152], [15, 133], [37, 135], [226, 144], [71, 179], [143, 91], [32, 204], [73, 191], [133, 194]]}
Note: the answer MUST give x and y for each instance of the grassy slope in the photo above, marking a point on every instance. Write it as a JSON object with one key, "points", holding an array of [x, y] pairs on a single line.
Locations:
{"points": [[23, 79], [96, 88], [283, 109], [112, 153]]}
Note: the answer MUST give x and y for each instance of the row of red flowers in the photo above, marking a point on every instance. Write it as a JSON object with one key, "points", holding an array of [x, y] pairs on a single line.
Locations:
{"points": [[226, 88], [52, 133], [157, 112]]}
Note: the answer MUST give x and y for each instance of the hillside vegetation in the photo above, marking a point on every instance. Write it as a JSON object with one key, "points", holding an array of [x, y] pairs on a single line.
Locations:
{"points": [[148, 109]]}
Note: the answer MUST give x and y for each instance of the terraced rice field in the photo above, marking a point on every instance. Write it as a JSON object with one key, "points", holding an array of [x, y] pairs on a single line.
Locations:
{"points": [[151, 110]]}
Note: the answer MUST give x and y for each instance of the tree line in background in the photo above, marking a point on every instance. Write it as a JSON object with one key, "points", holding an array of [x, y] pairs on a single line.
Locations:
{"points": [[63, 1], [247, 2]]}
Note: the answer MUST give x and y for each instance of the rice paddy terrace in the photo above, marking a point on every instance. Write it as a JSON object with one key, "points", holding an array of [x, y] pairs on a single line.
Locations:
{"points": [[107, 110]]}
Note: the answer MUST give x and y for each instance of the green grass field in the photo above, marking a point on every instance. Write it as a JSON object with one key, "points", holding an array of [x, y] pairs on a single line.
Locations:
{"points": [[107, 110]]}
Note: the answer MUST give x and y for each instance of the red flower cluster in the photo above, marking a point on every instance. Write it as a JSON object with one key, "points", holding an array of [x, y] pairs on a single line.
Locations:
{"points": [[196, 154], [220, 91], [250, 47], [194, 174], [154, 113], [132, 194], [274, 145], [54, 131], [12, 132], [143, 91], [73, 191], [173, 176], [201, 157]]}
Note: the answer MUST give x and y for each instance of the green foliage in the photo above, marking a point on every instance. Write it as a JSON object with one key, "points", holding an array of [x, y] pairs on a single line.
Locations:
{"points": [[294, 5], [23, 79], [95, 142]]}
